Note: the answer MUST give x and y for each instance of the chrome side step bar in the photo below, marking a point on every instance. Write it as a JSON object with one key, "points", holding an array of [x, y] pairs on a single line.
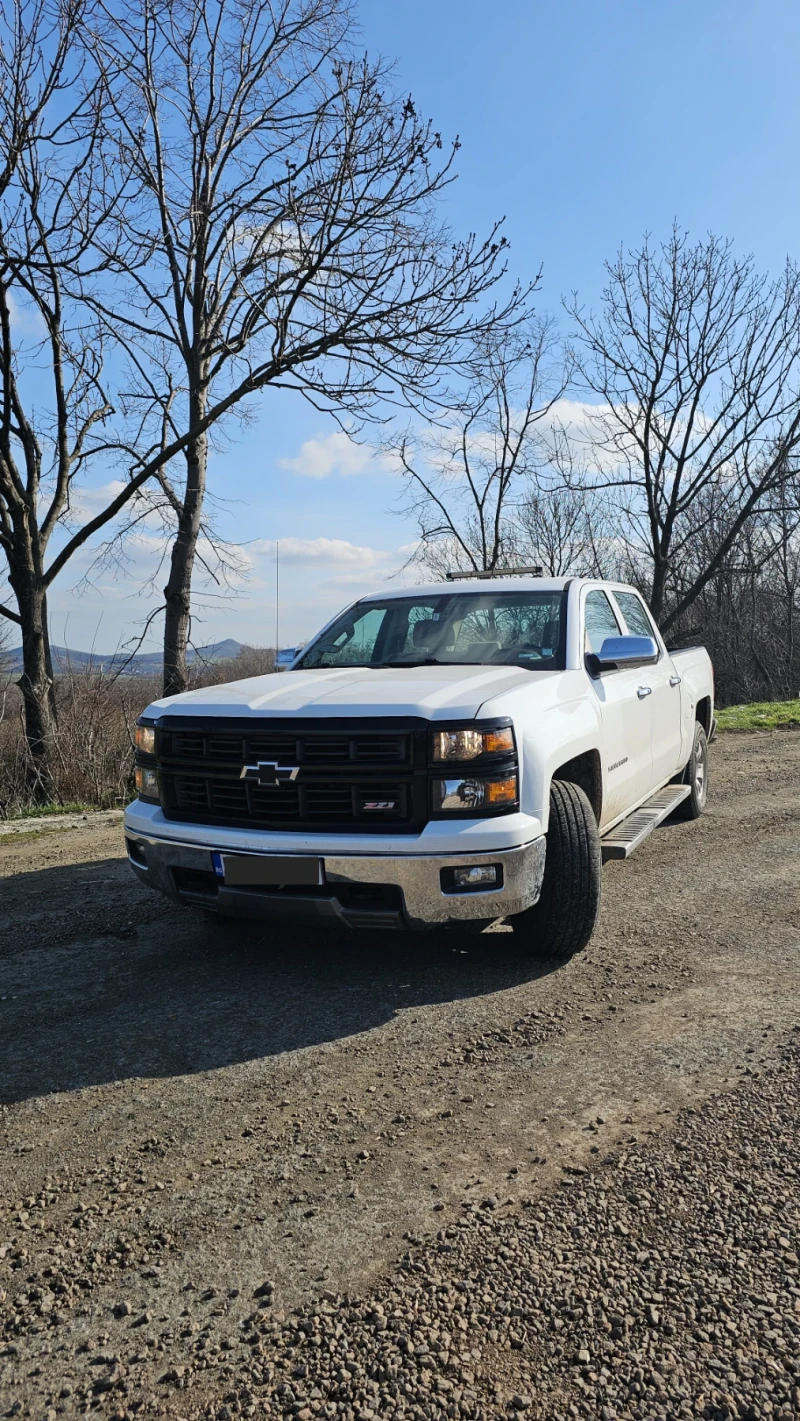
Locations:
{"points": [[620, 842]]}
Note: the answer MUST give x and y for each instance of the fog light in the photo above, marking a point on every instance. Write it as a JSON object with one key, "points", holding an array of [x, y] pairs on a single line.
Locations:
{"points": [[136, 852], [476, 875], [474, 878]]}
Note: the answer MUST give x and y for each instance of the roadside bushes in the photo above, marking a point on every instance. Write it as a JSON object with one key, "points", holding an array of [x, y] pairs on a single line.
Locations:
{"points": [[96, 714], [93, 743]]}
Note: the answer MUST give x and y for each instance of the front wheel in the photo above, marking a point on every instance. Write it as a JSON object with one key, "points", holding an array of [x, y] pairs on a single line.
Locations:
{"points": [[563, 920], [696, 776]]}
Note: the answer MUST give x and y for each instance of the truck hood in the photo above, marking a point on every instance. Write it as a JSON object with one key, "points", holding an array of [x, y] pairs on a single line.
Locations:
{"points": [[433, 692]]}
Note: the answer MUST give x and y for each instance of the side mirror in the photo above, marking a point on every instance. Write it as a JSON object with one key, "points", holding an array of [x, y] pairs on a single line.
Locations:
{"points": [[620, 651]]}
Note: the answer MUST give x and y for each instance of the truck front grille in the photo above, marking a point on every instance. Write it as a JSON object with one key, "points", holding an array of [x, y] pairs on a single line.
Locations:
{"points": [[285, 747], [348, 779]]}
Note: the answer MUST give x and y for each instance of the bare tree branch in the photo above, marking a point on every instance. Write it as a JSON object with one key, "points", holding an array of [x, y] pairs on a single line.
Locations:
{"points": [[695, 359], [285, 233], [467, 474]]}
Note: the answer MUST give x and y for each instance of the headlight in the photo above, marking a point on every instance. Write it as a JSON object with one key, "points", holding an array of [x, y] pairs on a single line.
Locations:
{"points": [[145, 739], [464, 794], [147, 783], [469, 744]]}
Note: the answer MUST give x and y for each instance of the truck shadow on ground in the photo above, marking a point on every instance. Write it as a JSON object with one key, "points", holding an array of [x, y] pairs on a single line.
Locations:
{"points": [[103, 981]]}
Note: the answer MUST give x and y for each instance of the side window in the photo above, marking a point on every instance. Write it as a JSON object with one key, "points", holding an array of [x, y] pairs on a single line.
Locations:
{"points": [[355, 643], [633, 610], [599, 621]]}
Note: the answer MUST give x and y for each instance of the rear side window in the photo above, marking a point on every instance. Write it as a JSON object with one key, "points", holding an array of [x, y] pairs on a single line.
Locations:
{"points": [[635, 614], [599, 621]]}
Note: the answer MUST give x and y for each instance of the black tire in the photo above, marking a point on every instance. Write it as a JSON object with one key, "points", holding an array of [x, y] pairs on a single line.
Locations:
{"points": [[563, 920], [696, 775]]}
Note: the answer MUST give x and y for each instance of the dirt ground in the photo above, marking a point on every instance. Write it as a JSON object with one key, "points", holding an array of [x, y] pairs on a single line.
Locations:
{"points": [[193, 1111]]}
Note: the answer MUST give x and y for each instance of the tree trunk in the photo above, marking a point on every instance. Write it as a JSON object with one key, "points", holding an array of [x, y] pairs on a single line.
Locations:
{"points": [[658, 592], [36, 685], [178, 591]]}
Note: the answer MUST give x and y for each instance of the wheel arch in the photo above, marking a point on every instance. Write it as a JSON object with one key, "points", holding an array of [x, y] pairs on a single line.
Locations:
{"points": [[702, 712], [585, 771]]}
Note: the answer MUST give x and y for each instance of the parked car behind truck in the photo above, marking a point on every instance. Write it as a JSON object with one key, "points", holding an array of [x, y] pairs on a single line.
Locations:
{"points": [[454, 754]]}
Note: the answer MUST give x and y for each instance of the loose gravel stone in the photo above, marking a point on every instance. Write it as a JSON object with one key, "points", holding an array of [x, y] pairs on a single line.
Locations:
{"points": [[653, 1277], [665, 1283]]}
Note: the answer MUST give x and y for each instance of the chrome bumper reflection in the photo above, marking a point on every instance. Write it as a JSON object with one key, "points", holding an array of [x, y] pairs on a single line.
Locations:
{"points": [[425, 903]]}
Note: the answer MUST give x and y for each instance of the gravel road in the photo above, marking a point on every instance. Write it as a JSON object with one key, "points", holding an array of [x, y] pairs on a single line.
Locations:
{"points": [[294, 1175]]}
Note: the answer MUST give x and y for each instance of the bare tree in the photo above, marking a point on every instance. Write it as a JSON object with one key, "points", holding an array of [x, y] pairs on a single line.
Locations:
{"points": [[747, 613], [694, 358], [58, 193], [467, 472], [285, 234], [52, 393], [562, 529]]}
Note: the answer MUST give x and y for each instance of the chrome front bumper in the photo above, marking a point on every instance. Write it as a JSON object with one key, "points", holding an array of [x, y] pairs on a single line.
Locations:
{"points": [[358, 890]]}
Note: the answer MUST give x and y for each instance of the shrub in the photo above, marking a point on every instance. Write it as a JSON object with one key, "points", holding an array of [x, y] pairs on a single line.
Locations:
{"points": [[97, 712]]}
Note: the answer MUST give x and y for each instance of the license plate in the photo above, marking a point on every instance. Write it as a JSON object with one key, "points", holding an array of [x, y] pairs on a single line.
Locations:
{"points": [[267, 870]]}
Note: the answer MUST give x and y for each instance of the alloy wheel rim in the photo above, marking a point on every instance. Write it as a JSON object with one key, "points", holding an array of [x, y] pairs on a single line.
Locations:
{"points": [[700, 772]]}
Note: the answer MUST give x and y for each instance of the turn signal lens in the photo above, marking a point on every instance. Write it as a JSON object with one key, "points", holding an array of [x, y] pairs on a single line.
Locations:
{"points": [[147, 783], [469, 744], [464, 795], [501, 791], [145, 739], [498, 742]]}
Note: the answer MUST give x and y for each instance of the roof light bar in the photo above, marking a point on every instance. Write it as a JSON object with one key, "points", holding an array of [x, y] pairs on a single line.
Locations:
{"points": [[498, 572]]}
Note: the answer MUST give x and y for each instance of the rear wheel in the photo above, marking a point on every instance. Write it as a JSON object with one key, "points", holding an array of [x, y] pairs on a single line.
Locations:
{"points": [[563, 920], [696, 776]]}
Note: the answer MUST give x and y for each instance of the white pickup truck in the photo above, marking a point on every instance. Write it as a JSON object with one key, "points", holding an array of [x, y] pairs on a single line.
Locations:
{"points": [[455, 754]]}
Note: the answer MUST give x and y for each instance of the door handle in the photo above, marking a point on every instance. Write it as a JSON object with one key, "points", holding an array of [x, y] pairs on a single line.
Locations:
{"points": [[644, 691], [674, 680]]}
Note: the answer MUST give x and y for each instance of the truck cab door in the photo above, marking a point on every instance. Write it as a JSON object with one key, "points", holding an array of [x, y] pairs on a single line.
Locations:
{"points": [[663, 685], [624, 715]]}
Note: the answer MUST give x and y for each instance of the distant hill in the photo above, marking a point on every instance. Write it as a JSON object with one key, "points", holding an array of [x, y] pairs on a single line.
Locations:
{"points": [[145, 663]]}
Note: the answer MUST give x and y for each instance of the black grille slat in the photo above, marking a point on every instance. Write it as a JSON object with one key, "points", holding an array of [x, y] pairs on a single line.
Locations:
{"points": [[379, 749], [224, 747], [227, 798], [329, 802], [342, 769], [282, 748], [281, 802], [190, 794], [188, 745], [314, 750]]}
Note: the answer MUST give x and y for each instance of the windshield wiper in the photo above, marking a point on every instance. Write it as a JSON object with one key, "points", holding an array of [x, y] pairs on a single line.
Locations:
{"points": [[427, 661]]}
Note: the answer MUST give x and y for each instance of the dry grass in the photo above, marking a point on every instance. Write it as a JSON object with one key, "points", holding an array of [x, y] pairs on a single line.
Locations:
{"points": [[97, 713]]}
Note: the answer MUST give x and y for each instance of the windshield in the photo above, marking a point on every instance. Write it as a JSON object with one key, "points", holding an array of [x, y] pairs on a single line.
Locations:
{"points": [[454, 629]]}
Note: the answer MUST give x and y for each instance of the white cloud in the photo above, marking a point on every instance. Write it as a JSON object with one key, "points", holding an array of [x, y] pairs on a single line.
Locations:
{"points": [[88, 502], [335, 454], [26, 319], [335, 552]]}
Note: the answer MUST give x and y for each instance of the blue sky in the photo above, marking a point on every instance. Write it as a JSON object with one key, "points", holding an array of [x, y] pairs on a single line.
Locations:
{"points": [[585, 123]]}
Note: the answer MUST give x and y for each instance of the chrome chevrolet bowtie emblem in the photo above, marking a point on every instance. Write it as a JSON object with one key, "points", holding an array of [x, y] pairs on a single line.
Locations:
{"points": [[268, 772]]}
